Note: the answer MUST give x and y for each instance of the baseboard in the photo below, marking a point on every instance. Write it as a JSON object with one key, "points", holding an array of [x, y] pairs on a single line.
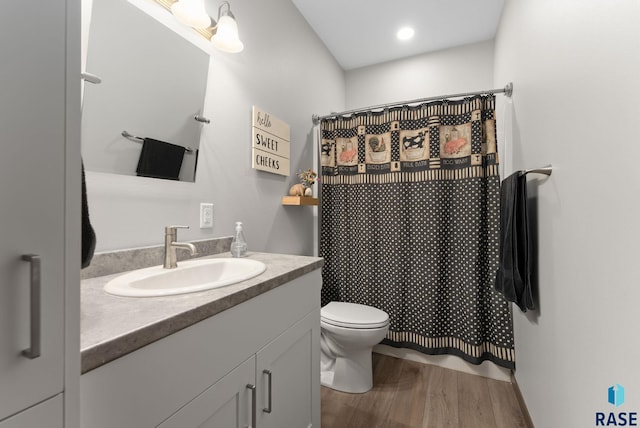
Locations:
{"points": [[521, 403]]}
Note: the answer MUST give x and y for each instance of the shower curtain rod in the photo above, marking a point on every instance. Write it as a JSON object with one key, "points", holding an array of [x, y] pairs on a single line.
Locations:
{"points": [[507, 90]]}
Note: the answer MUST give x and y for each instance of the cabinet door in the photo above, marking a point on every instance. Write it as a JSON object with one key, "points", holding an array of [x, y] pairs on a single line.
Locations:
{"points": [[47, 414], [32, 191], [288, 371], [228, 403]]}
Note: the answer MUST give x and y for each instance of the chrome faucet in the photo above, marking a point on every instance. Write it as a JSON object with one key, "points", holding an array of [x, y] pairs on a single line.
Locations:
{"points": [[170, 245]]}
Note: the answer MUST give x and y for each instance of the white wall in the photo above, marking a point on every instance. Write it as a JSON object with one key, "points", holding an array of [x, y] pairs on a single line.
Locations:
{"points": [[450, 71], [285, 70], [575, 66]]}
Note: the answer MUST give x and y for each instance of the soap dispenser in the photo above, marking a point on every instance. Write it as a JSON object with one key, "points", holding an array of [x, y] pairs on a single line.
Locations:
{"points": [[238, 244]]}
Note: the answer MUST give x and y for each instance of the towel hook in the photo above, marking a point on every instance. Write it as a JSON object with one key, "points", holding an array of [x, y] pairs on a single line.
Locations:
{"points": [[201, 119], [91, 78]]}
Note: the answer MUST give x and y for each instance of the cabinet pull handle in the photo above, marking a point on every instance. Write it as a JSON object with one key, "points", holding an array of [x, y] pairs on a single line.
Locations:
{"points": [[253, 404], [34, 350], [268, 408]]}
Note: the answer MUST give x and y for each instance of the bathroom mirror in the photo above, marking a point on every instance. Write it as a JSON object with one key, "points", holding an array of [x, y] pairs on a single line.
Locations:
{"points": [[153, 86]]}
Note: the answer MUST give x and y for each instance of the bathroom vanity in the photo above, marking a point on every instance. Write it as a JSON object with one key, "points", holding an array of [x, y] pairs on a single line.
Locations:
{"points": [[242, 355]]}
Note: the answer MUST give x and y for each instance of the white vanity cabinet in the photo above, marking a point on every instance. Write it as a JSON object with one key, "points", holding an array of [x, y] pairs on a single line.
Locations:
{"points": [[48, 414], [216, 372], [228, 403], [286, 374], [40, 212], [275, 388]]}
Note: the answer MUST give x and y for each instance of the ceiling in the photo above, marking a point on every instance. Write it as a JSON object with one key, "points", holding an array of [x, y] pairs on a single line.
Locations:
{"points": [[362, 32]]}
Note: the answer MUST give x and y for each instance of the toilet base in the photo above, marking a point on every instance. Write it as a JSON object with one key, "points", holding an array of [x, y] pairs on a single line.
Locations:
{"points": [[353, 375]]}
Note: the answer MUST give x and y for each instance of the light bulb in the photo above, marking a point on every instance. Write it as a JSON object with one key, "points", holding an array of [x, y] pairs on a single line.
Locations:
{"points": [[191, 13], [226, 37]]}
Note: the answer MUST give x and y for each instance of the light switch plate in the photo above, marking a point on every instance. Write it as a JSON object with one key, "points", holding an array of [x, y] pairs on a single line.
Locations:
{"points": [[206, 215]]}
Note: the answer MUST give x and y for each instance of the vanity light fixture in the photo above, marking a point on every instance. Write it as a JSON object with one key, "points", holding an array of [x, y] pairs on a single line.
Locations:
{"points": [[191, 13], [225, 31]]}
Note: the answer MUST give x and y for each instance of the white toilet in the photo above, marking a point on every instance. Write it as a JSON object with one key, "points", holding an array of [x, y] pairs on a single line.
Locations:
{"points": [[348, 333]]}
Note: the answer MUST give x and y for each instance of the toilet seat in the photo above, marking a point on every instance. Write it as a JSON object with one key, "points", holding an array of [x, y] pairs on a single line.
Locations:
{"points": [[353, 315]]}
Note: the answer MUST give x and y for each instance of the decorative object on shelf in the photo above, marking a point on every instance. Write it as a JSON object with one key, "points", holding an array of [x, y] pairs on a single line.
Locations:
{"points": [[307, 178], [302, 193], [296, 190]]}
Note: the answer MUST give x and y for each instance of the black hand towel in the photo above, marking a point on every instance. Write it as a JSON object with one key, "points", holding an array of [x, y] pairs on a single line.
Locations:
{"points": [[513, 278], [160, 160], [88, 234]]}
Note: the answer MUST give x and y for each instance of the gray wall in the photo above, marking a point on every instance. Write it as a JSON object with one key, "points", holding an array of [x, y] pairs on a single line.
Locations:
{"points": [[575, 67], [285, 70], [462, 69]]}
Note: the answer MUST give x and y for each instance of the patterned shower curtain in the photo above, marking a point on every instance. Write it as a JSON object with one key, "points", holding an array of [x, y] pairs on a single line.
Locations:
{"points": [[409, 225]]}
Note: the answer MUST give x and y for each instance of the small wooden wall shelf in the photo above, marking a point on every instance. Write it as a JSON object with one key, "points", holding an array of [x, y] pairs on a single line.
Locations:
{"points": [[299, 200]]}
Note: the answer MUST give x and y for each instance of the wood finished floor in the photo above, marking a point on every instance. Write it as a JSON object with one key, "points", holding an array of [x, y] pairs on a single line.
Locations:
{"points": [[407, 394]]}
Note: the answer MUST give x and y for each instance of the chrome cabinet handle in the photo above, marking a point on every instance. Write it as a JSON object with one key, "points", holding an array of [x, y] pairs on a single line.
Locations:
{"points": [[253, 404], [268, 408], [34, 350]]}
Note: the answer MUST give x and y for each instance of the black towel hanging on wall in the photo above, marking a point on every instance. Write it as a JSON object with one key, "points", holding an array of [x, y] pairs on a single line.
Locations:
{"points": [[88, 234], [513, 278], [159, 159]]}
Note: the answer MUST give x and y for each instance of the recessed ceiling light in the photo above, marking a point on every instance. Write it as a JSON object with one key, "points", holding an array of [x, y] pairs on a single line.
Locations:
{"points": [[405, 33]]}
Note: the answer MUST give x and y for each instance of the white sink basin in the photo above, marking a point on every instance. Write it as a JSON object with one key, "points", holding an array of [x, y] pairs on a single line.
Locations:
{"points": [[190, 276]]}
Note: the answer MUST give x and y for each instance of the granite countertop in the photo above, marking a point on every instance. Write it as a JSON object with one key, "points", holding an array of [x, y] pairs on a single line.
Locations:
{"points": [[113, 326]]}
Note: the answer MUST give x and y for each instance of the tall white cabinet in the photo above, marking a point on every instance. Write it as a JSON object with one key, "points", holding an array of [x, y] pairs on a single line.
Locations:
{"points": [[39, 209]]}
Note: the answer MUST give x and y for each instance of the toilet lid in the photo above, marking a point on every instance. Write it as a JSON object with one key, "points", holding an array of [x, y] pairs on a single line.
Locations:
{"points": [[353, 315]]}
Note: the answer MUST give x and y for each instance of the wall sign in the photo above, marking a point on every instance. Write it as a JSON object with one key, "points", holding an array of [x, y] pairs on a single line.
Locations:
{"points": [[270, 143]]}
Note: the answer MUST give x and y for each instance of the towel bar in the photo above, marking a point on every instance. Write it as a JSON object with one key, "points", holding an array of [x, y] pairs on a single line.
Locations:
{"points": [[546, 170], [125, 134]]}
